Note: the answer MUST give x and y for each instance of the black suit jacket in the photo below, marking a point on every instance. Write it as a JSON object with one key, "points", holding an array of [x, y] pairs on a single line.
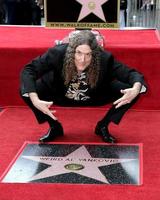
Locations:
{"points": [[48, 68]]}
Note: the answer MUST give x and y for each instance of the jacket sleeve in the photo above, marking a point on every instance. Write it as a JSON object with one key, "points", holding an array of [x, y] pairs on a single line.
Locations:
{"points": [[38, 67]]}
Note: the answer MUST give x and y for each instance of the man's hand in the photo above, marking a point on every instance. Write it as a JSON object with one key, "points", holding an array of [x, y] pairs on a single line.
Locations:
{"points": [[128, 95], [43, 106]]}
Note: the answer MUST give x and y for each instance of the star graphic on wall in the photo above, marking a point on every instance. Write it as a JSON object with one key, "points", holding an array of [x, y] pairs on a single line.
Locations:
{"points": [[91, 6], [79, 162]]}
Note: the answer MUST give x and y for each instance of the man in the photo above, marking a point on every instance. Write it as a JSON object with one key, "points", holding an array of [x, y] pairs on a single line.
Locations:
{"points": [[79, 73], [123, 13]]}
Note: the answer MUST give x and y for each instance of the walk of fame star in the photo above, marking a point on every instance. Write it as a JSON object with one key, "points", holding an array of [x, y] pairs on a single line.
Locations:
{"points": [[76, 163], [91, 6], [79, 161]]}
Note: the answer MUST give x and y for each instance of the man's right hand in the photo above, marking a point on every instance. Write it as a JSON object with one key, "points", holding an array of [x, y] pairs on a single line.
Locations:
{"points": [[43, 106]]}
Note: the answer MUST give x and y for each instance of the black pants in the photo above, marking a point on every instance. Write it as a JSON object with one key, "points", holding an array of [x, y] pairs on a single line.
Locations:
{"points": [[114, 114]]}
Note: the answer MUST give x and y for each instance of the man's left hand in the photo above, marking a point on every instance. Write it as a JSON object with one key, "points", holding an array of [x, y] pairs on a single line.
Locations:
{"points": [[128, 95]]}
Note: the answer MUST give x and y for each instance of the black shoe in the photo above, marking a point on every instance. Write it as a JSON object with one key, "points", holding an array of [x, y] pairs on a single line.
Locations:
{"points": [[104, 133], [52, 133]]}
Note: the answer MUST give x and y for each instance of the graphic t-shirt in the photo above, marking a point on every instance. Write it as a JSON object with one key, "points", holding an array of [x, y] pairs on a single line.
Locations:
{"points": [[78, 88]]}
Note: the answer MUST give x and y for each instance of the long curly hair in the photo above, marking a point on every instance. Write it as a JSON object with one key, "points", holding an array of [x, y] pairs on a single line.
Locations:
{"points": [[69, 68]]}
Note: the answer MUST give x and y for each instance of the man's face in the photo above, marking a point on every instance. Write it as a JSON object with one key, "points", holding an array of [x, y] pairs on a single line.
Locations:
{"points": [[83, 56]]}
